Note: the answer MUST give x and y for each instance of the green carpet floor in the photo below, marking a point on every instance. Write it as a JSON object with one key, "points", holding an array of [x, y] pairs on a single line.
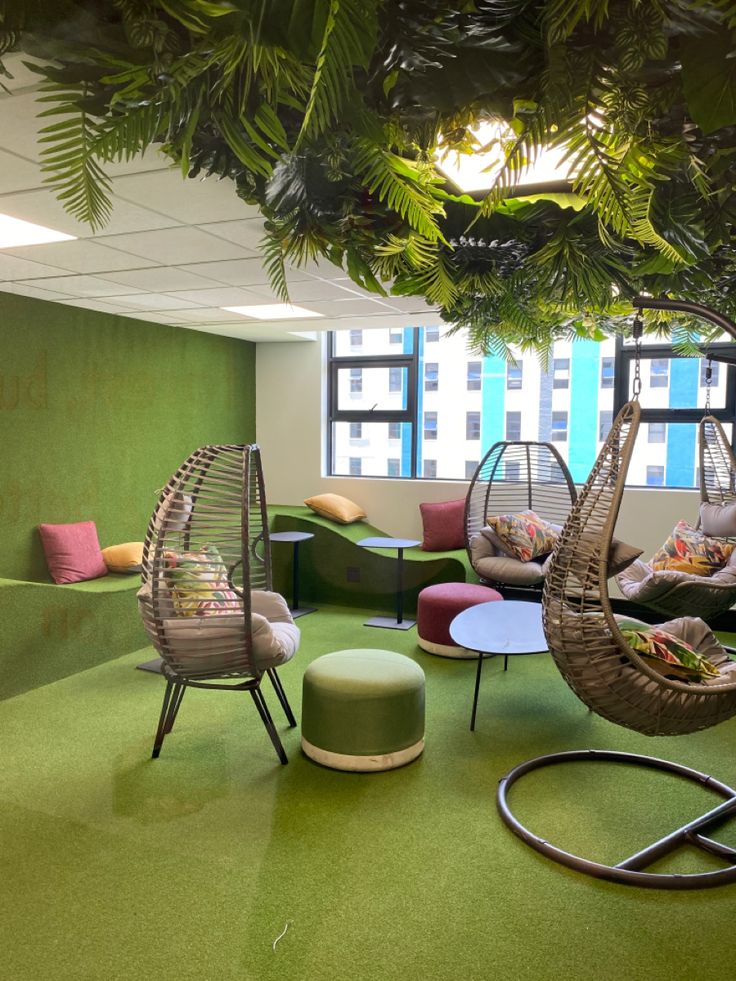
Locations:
{"points": [[113, 866]]}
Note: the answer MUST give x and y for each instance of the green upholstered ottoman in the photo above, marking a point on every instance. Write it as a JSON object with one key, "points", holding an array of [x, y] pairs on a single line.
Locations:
{"points": [[363, 710]]}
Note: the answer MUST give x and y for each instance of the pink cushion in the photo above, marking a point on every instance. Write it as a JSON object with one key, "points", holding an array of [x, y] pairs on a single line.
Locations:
{"points": [[73, 551], [438, 606], [444, 525]]}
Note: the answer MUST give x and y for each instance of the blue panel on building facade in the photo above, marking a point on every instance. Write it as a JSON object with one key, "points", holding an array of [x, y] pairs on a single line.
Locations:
{"points": [[582, 423], [406, 440], [492, 417], [680, 469]]}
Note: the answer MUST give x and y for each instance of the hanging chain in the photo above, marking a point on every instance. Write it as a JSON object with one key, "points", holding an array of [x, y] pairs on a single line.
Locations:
{"points": [[708, 383], [636, 332]]}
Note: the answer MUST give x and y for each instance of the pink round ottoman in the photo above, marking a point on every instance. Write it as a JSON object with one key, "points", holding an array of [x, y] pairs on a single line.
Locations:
{"points": [[438, 606]]}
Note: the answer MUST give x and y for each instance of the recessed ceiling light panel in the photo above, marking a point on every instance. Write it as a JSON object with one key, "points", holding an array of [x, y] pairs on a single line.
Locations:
{"points": [[14, 232], [273, 311]]}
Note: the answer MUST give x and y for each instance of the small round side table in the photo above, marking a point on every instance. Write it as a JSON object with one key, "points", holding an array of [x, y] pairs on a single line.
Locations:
{"points": [[295, 537]]}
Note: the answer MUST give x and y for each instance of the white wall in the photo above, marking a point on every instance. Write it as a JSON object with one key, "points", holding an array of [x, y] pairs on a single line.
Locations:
{"points": [[290, 407]]}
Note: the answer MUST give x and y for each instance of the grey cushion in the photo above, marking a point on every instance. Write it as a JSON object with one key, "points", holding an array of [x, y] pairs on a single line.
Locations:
{"points": [[718, 520], [491, 562]]}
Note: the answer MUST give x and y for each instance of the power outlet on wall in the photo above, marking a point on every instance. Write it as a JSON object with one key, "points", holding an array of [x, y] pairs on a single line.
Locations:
{"points": [[353, 573]]}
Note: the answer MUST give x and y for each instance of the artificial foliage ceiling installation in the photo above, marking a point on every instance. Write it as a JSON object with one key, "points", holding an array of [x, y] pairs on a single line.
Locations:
{"points": [[334, 116]]}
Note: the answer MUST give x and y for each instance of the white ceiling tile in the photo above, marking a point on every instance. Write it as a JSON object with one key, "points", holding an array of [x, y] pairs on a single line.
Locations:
{"points": [[187, 200], [79, 286], [153, 301], [42, 208], [23, 289], [239, 272], [104, 306], [204, 315], [409, 304], [162, 279], [20, 125], [222, 296], [82, 256], [152, 317], [12, 267], [17, 173], [310, 289], [246, 232], [256, 333], [349, 308], [20, 76], [153, 159], [175, 245]]}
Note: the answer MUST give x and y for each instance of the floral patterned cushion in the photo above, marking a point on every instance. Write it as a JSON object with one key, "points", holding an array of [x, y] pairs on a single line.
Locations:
{"points": [[525, 535], [198, 583], [689, 550], [666, 653]]}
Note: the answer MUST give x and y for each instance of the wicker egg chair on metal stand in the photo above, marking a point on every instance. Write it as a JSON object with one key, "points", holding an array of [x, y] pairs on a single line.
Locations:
{"points": [[206, 599], [514, 476], [614, 681]]}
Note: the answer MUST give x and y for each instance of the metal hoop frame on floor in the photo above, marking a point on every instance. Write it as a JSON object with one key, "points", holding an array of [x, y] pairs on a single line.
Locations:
{"points": [[630, 870]]}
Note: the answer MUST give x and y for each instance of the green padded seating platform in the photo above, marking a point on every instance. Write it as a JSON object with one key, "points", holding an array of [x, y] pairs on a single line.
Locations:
{"points": [[363, 710]]}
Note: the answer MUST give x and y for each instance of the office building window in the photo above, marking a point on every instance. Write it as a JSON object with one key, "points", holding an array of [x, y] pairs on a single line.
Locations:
{"points": [[656, 432], [607, 367], [714, 372], [512, 471], [395, 376], [605, 420], [395, 336], [356, 338], [356, 430], [655, 476], [356, 466], [559, 427], [513, 425], [659, 373], [431, 376], [430, 425], [472, 425], [474, 369], [470, 467], [356, 380], [561, 373], [394, 430], [393, 467], [431, 334], [514, 374], [430, 468]]}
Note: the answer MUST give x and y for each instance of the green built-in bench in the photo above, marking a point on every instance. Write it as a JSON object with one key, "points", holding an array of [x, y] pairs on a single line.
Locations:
{"points": [[50, 631], [335, 569]]}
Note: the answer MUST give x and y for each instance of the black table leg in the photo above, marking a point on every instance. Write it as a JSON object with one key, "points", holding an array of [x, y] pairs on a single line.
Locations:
{"points": [[296, 611], [400, 587], [477, 689]]}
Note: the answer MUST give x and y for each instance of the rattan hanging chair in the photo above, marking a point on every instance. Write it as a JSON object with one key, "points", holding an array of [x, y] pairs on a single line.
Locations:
{"points": [[680, 593], [206, 599], [615, 682], [514, 476]]}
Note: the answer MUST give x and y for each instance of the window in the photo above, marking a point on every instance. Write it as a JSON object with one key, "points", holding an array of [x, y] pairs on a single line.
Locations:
{"points": [[559, 427], [472, 425], [395, 377], [470, 467], [430, 468], [356, 338], [655, 476], [659, 373], [474, 368], [605, 420], [393, 467], [512, 471], [607, 367], [713, 372], [514, 375], [356, 380], [431, 334], [395, 336], [431, 376], [656, 432], [561, 373], [356, 430], [513, 425], [356, 466], [430, 425], [394, 430]]}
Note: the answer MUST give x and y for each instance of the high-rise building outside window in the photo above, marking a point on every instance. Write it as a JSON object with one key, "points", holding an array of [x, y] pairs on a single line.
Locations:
{"points": [[395, 336], [431, 376], [513, 425], [431, 334], [430, 468], [470, 467], [430, 425], [561, 373], [356, 466], [356, 338], [607, 369], [514, 374], [356, 380], [655, 476], [395, 376], [394, 430], [656, 432], [659, 373], [472, 425], [559, 427], [473, 376], [605, 420], [356, 430], [393, 467]]}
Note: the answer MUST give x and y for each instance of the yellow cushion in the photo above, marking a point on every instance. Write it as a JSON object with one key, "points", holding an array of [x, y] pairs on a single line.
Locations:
{"points": [[336, 508], [125, 558]]}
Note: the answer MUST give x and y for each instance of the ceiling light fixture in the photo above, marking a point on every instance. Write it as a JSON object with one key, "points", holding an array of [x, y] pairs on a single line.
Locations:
{"points": [[14, 233], [273, 311]]}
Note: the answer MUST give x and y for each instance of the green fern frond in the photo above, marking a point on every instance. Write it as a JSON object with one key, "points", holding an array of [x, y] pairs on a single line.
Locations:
{"points": [[274, 264]]}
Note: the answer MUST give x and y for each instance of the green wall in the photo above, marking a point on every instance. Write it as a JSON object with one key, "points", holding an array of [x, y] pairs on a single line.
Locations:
{"points": [[97, 411]]}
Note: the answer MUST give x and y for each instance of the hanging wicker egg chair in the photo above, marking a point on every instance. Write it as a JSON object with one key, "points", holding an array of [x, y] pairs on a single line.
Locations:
{"points": [[206, 599]]}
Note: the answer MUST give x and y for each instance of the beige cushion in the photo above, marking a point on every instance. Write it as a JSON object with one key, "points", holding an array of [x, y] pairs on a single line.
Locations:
{"points": [[125, 558], [718, 520], [336, 508], [491, 562]]}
